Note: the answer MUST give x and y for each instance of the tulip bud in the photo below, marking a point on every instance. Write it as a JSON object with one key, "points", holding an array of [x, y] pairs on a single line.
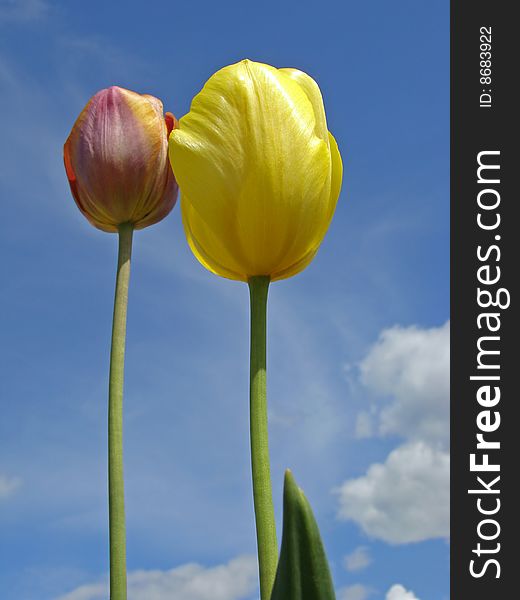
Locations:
{"points": [[116, 159], [258, 170]]}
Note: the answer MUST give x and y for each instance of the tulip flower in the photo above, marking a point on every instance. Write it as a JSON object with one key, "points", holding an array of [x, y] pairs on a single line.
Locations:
{"points": [[258, 170], [116, 160], [260, 176]]}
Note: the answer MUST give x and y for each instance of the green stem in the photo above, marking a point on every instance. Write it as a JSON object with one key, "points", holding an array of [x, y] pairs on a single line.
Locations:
{"points": [[116, 492], [262, 492]]}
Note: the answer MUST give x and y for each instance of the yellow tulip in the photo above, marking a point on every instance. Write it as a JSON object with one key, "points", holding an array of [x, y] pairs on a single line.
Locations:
{"points": [[260, 176], [258, 171]]}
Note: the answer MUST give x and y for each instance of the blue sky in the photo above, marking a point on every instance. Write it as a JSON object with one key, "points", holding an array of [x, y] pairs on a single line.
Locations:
{"points": [[358, 343]]}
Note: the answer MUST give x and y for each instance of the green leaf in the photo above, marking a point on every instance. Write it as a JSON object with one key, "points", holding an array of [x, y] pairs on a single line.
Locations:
{"points": [[303, 571]]}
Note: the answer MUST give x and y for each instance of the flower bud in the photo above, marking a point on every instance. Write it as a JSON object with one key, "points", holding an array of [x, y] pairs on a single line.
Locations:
{"points": [[116, 159], [258, 170]]}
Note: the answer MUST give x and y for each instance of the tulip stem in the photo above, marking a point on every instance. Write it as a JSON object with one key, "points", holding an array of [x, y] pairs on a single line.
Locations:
{"points": [[116, 492], [262, 491]]}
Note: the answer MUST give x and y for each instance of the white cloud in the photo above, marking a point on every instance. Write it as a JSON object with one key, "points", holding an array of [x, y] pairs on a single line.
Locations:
{"points": [[236, 580], [411, 365], [358, 559], [405, 499], [8, 485], [398, 592], [354, 592], [22, 10]]}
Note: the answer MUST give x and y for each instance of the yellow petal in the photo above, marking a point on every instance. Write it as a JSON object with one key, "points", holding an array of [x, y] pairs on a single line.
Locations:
{"points": [[209, 248], [337, 172], [254, 169], [311, 89]]}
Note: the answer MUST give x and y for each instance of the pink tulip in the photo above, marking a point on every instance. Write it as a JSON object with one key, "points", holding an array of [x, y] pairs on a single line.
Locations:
{"points": [[116, 159]]}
